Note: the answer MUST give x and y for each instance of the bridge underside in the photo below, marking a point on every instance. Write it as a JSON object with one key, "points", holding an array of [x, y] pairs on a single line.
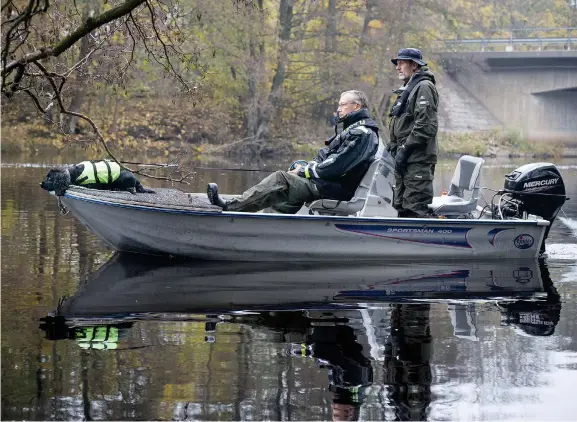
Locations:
{"points": [[534, 92], [557, 111]]}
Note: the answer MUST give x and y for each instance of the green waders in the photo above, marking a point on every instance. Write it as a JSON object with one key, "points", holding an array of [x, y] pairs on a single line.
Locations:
{"points": [[414, 190], [281, 192]]}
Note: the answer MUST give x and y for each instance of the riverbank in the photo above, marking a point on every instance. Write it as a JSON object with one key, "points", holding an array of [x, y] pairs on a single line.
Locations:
{"points": [[162, 133]]}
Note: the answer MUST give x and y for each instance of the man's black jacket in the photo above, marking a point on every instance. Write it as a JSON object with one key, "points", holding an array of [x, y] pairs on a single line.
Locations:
{"points": [[339, 167]]}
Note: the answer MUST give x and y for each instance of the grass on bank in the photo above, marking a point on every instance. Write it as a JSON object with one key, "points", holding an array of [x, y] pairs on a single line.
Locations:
{"points": [[496, 143]]}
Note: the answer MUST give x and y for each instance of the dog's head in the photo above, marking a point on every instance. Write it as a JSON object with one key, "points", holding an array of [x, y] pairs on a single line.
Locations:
{"points": [[57, 181]]}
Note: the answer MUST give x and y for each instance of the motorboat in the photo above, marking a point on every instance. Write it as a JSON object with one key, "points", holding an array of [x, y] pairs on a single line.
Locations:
{"points": [[513, 224]]}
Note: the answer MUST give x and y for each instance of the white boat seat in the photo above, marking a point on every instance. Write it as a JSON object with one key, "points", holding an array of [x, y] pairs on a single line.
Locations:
{"points": [[466, 181], [357, 204], [353, 205]]}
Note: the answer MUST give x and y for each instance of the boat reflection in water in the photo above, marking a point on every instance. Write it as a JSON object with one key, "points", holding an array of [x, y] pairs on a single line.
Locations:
{"points": [[354, 323]]}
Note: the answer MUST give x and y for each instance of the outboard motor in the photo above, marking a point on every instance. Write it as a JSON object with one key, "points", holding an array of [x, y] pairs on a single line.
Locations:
{"points": [[536, 189]]}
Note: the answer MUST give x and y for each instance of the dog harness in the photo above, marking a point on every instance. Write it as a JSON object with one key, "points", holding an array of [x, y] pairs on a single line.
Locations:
{"points": [[100, 338], [103, 172]]}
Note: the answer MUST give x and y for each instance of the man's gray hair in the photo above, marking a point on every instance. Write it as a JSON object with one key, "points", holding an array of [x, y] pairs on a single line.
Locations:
{"points": [[359, 97]]}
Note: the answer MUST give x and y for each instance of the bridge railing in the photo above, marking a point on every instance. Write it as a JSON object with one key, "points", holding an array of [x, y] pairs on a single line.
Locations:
{"points": [[524, 39]]}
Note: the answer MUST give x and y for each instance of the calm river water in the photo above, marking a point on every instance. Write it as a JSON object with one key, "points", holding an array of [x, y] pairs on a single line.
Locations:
{"points": [[90, 335]]}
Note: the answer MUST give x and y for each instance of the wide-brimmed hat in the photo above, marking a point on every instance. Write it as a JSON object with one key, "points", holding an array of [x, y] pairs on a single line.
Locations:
{"points": [[413, 54]]}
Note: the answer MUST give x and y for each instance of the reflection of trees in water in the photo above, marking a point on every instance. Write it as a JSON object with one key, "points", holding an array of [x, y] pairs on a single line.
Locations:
{"points": [[41, 252], [507, 355], [167, 370]]}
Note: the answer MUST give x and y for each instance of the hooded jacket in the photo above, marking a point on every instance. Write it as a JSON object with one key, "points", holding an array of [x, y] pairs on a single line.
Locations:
{"points": [[417, 125], [339, 167]]}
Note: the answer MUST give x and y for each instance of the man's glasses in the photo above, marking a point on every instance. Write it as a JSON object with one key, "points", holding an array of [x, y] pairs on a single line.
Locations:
{"points": [[344, 104]]}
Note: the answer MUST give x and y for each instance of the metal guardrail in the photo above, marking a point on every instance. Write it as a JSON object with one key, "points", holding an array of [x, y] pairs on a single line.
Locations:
{"points": [[568, 42]]}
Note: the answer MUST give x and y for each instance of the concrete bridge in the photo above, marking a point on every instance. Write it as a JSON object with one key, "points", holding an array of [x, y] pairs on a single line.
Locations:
{"points": [[534, 92]]}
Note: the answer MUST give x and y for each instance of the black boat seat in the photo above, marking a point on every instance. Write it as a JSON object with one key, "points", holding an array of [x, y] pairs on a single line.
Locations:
{"points": [[464, 190], [365, 195]]}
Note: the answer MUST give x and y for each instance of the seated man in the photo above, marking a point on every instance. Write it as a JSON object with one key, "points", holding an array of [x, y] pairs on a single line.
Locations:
{"points": [[334, 174]]}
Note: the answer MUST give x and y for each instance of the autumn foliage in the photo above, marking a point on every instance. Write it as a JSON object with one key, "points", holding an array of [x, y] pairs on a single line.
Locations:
{"points": [[260, 76]]}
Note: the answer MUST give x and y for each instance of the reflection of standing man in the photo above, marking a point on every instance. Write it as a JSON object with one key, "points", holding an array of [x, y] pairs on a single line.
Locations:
{"points": [[413, 134], [335, 348], [408, 352]]}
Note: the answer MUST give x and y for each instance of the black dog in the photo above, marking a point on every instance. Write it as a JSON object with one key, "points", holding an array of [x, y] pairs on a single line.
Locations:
{"points": [[103, 175]]}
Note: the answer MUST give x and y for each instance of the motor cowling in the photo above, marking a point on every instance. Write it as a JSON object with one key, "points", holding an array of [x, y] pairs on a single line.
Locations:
{"points": [[537, 189]]}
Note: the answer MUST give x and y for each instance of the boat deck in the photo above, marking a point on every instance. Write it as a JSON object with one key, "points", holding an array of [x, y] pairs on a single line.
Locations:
{"points": [[163, 197]]}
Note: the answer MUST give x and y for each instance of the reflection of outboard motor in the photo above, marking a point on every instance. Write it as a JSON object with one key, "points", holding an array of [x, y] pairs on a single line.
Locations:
{"points": [[408, 352], [534, 317], [536, 189]]}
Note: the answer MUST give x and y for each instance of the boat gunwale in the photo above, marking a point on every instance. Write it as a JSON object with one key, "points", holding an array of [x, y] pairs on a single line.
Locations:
{"points": [[183, 209]]}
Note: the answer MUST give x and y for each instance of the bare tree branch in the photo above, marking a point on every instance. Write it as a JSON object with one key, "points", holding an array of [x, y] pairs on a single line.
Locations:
{"points": [[83, 30]]}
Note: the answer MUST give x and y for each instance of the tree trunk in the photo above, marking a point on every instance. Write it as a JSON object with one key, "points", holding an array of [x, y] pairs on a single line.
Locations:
{"points": [[77, 94], [330, 85], [255, 75], [369, 16], [285, 27], [331, 34]]}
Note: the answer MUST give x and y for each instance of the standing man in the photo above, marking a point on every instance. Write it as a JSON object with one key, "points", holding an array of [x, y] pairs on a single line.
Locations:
{"points": [[334, 174], [413, 134]]}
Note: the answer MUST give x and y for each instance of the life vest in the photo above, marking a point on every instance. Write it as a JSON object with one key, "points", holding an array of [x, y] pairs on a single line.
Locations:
{"points": [[100, 338], [103, 172]]}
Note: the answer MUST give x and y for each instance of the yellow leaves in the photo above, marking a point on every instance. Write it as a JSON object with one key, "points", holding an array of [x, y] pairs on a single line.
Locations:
{"points": [[370, 79], [376, 24], [548, 20], [352, 16], [8, 216], [316, 24], [118, 38], [486, 15]]}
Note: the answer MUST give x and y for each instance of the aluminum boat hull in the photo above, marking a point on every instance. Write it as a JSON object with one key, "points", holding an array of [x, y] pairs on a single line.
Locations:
{"points": [[210, 235]]}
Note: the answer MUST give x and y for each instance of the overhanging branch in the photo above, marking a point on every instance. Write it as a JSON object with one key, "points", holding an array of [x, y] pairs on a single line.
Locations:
{"points": [[91, 24]]}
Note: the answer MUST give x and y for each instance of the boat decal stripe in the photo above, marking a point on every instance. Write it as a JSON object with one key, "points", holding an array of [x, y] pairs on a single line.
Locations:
{"points": [[406, 292], [442, 236], [492, 234]]}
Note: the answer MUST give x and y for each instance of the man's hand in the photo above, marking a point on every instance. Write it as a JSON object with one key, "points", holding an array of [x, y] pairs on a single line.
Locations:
{"points": [[401, 160], [295, 170]]}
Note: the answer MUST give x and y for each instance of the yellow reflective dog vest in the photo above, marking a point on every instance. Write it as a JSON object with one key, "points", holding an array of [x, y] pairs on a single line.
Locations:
{"points": [[104, 172], [100, 338]]}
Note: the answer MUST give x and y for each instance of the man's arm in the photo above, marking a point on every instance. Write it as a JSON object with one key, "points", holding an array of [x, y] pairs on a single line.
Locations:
{"points": [[358, 149]]}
